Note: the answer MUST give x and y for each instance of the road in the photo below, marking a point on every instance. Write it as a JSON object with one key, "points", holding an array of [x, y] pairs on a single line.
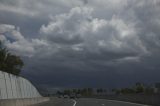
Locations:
{"points": [[86, 102]]}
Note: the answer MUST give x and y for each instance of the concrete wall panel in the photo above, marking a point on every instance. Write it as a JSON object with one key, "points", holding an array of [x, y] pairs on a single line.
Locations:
{"points": [[3, 94], [1, 75], [13, 82], [2, 84]]}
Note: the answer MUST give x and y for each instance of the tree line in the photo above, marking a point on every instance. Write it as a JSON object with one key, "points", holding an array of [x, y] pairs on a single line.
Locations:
{"points": [[138, 88], [83, 92]]}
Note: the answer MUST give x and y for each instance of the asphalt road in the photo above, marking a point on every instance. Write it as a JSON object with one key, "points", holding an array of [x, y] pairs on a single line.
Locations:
{"points": [[86, 102]]}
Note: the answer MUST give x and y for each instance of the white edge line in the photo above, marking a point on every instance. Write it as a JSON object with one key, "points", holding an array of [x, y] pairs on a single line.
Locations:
{"points": [[74, 102], [128, 102]]}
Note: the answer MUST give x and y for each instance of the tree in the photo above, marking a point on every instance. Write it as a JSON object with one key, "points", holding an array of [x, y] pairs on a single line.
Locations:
{"points": [[149, 90], [139, 88], [67, 92], [79, 91], [84, 92], [74, 91], [58, 92], [90, 91], [127, 91], [116, 91], [100, 91], [10, 63]]}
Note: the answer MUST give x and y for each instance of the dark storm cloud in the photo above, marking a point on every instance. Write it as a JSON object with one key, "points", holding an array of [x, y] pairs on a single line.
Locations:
{"points": [[85, 1], [76, 43], [29, 26]]}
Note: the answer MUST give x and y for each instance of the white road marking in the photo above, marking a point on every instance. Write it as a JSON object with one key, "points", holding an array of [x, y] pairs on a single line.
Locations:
{"points": [[74, 102]]}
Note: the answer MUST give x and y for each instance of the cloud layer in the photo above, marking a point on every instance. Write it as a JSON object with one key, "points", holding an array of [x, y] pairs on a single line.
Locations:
{"points": [[77, 36]]}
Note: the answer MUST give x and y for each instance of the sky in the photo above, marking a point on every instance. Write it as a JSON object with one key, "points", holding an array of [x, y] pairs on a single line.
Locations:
{"points": [[84, 43]]}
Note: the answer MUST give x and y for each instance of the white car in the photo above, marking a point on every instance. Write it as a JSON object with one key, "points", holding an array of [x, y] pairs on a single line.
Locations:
{"points": [[65, 96]]}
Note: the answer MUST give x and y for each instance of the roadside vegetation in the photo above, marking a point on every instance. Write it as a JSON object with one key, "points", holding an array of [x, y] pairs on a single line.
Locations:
{"points": [[9, 62], [138, 88], [83, 92]]}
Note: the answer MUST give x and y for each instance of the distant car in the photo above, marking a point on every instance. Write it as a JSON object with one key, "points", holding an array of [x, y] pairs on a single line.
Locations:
{"points": [[60, 96], [72, 96], [78, 95], [65, 96]]}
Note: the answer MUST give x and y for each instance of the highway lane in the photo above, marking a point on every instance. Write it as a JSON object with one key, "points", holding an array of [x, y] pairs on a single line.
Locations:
{"points": [[86, 102], [104, 102], [57, 102]]}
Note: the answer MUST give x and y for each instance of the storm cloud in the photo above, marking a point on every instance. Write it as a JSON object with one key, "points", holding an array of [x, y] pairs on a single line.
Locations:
{"points": [[69, 42]]}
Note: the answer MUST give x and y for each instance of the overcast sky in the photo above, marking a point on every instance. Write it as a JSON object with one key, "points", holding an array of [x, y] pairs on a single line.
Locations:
{"points": [[84, 43]]}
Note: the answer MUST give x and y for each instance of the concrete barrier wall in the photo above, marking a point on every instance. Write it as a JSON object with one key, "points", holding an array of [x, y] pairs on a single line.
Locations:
{"points": [[17, 91], [14, 87]]}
